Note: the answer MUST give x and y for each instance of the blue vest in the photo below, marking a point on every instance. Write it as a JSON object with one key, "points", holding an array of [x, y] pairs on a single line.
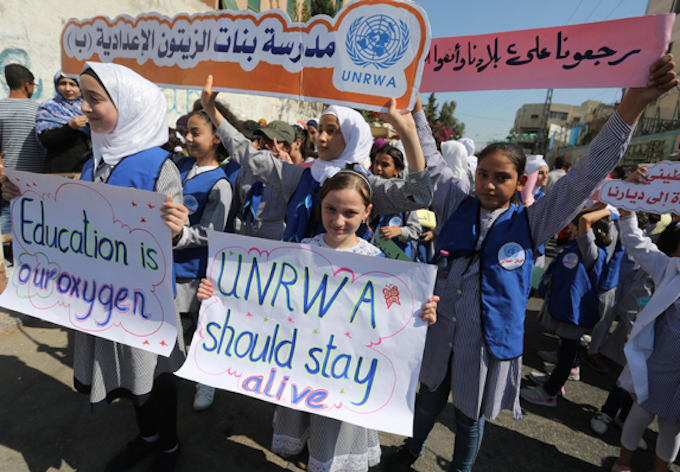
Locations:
{"points": [[378, 222], [139, 171], [574, 296], [232, 169], [192, 262], [610, 272], [184, 165], [300, 210], [506, 266]]}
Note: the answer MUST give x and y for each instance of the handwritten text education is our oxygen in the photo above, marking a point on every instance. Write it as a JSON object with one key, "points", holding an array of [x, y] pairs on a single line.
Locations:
{"points": [[40, 235]]}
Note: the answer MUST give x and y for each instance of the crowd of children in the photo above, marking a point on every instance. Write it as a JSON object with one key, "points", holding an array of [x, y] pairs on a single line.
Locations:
{"points": [[314, 183]]}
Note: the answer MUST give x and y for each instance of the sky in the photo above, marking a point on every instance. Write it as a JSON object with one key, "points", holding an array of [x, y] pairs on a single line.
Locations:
{"points": [[489, 115]]}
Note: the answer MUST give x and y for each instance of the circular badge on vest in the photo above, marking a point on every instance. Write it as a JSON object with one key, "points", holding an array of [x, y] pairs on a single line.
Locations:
{"points": [[570, 260], [511, 256], [395, 221], [191, 203]]}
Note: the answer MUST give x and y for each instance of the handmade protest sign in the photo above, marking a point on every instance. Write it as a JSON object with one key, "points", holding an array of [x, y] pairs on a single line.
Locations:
{"points": [[661, 195], [95, 258], [615, 53], [312, 329], [371, 51]]}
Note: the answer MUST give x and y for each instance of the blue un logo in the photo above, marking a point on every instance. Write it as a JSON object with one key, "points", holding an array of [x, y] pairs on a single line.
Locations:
{"points": [[377, 40]]}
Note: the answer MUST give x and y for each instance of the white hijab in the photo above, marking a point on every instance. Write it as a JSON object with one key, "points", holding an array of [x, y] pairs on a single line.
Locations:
{"points": [[456, 155], [358, 143], [141, 110], [534, 162]]}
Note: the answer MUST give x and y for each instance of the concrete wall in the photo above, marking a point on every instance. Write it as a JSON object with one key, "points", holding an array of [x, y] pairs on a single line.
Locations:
{"points": [[30, 34]]}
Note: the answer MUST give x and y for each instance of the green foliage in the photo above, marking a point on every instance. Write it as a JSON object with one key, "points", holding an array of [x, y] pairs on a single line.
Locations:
{"points": [[301, 11], [444, 125]]}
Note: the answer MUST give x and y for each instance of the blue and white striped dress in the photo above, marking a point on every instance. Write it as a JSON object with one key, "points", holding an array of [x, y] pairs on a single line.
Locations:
{"points": [[663, 364], [481, 384]]}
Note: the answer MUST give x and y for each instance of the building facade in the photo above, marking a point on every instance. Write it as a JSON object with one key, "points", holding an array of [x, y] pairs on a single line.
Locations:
{"points": [[659, 115], [528, 127]]}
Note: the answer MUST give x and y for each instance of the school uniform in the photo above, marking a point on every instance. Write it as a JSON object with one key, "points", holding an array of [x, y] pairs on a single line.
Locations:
{"points": [[653, 351], [634, 283], [107, 370], [334, 445], [389, 195], [652, 374], [259, 211], [409, 223], [608, 287], [570, 309], [207, 196], [457, 346]]}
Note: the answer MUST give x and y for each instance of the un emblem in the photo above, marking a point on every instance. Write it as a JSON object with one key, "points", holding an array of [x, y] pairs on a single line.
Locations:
{"points": [[377, 40]]}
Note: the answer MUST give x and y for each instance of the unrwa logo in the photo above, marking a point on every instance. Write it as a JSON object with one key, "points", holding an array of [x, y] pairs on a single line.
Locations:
{"points": [[377, 40]]}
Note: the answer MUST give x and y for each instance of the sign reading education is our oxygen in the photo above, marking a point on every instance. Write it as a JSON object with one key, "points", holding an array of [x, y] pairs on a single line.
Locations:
{"points": [[95, 258], [371, 51], [312, 329]]}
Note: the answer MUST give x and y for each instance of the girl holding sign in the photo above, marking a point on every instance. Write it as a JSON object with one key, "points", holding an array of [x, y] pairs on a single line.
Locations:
{"points": [[334, 445], [344, 138], [127, 115], [474, 351]]}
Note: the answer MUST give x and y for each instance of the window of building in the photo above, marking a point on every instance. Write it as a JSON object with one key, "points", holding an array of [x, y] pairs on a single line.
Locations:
{"points": [[556, 115], [534, 116], [254, 5], [338, 5]]}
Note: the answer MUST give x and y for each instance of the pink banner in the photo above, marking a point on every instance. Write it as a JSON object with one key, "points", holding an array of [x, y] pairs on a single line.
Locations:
{"points": [[607, 54]]}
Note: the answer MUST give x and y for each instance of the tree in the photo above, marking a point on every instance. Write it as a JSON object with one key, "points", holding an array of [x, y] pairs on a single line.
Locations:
{"points": [[444, 125], [301, 11], [323, 7]]}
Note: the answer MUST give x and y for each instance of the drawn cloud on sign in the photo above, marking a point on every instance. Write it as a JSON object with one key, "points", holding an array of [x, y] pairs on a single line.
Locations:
{"points": [[81, 257]]}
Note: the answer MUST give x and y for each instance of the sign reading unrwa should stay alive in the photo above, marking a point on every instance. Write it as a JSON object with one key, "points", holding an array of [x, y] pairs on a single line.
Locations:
{"points": [[95, 258], [371, 51], [312, 329]]}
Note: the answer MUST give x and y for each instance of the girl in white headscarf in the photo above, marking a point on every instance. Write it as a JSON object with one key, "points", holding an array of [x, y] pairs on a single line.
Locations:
{"points": [[344, 139], [537, 176], [456, 157], [127, 116]]}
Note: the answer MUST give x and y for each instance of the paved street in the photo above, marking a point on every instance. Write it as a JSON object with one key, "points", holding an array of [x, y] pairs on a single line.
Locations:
{"points": [[45, 425]]}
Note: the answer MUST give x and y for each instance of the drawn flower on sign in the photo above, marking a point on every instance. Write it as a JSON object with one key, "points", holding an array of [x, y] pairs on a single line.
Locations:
{"points": [[391, 294]]}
